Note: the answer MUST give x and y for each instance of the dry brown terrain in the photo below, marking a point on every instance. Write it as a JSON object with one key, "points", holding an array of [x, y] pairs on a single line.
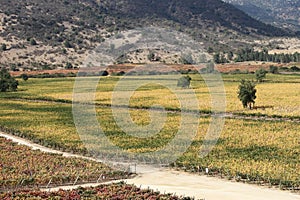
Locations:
{"points": [[224, 68]]}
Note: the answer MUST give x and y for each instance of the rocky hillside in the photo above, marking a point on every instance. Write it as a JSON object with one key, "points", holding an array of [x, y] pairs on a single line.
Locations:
{"points": [[276, 12], [52, 33]]}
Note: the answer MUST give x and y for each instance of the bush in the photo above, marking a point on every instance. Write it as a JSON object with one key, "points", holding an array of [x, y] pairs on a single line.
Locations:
{"points": [[3, 47], [33, 42], [274, 69], [247, 93], [103, 73], [184, 82], [69, 66], [295, 69], [260, 75], [24, 77], [7, 82]]}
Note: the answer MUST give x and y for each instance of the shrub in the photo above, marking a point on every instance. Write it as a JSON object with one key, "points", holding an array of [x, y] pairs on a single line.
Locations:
{"points": [[247, 93], [7, 82], [184, 82], [24, 77]]}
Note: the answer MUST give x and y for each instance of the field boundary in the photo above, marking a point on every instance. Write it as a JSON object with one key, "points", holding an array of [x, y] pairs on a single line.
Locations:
{"points": [[200, 113]]}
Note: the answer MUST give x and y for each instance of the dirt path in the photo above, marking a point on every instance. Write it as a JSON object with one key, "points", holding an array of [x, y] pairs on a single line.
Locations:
{"points": [[228, 115], [181, 183]]}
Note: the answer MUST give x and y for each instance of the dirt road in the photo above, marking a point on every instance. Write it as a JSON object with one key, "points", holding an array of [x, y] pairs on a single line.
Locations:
{"points": [[181, 183]]}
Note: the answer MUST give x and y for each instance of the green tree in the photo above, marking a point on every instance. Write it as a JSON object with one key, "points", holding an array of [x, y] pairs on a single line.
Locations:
{"points": [[69, 66], [247, 93], [33, 42], [7, 82], [260, 74], [24, 77], [274, 69], [151, 56], [230, 55], [184, 82], [3, 47], [210, 50], [217, 58], [295, 69], [67, 44], [64, 51]]}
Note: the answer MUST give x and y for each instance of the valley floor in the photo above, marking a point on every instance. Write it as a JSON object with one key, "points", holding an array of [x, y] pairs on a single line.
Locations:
{"points": [[182, 183]]}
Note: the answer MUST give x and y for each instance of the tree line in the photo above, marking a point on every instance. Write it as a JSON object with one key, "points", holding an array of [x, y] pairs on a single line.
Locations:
{"points": [[249, 54]]}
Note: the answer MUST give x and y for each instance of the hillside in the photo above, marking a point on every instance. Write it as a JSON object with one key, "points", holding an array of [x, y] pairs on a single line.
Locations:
{"points": [[49, 34], [193, 13], [276, 12]]}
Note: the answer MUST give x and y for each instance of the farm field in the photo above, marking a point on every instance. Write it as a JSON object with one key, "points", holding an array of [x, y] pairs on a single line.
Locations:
{"points": [[109, 191], [271, 94], [260, 151], [36, 169]]}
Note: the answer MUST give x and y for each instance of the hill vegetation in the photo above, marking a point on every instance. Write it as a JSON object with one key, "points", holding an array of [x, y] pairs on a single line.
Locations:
{"points": [[276, 12], [50, 34]]}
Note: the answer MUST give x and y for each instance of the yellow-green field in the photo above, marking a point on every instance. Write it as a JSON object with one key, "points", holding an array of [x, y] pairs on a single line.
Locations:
{"points": [[281, 93], [254, 150]]}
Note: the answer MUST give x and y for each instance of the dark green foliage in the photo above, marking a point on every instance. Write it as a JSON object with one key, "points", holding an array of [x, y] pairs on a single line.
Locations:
{"points": [[7, 82], [184, 82], [69, 66], [13, 67], [25, 77], [247, 93], [230, 55], [295, 69], [210, 50], [249, 54], [33, 42], [260, 74], [274, 69], [3, 47], [103, 73], [151, 56], [64, 51], [220, 58], [67, 44]]}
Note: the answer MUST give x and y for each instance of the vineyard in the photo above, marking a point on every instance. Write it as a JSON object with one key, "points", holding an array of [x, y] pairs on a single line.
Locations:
{"points": [[22, 167], [116, 191], [261, 151], [271, 94]]}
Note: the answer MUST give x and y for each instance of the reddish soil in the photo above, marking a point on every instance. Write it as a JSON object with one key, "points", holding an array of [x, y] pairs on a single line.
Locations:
{"points": [[225, 68], [56, 71]]}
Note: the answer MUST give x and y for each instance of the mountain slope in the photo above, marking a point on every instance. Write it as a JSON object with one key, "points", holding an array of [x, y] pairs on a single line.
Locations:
{"points": [[53, 32], [193, 13], [277, 12]]}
